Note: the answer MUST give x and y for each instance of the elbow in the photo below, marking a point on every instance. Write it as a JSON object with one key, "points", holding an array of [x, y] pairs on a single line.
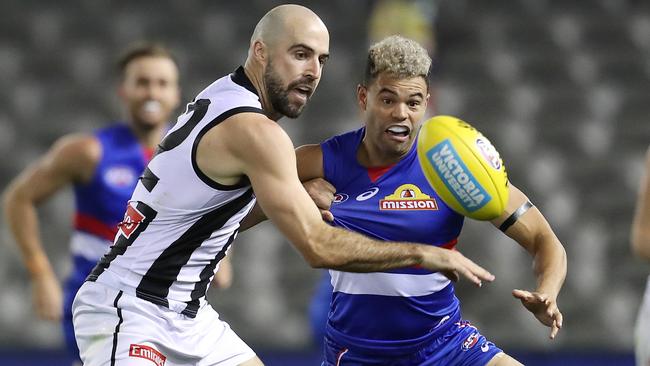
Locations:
{"points": [[15, 199], [317, 252], [317, 256], [9, 198], [317, 262]]}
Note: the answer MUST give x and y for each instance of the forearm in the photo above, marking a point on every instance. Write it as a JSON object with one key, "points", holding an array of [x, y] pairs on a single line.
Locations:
{"points": [[549, 264], [22, 220], [351, 252]]}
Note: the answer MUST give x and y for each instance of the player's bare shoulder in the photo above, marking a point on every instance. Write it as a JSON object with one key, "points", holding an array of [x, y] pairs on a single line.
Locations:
{"points": [[76, 155], [224, 152]]}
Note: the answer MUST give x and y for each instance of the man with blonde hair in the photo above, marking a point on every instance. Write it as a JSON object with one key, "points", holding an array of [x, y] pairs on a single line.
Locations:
{"points": [[409, 316]]}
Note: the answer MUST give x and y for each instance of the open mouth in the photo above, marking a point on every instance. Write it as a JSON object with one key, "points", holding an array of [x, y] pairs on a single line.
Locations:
{"points": [[151, 106], [304, 91], [398, 131]]}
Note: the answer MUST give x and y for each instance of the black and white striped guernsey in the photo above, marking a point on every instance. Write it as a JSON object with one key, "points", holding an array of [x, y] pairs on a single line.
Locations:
{"points": [[179, 223]]}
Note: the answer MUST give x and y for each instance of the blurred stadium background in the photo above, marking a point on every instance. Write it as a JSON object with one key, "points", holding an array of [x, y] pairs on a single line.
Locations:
{"points": [[560, 86]]}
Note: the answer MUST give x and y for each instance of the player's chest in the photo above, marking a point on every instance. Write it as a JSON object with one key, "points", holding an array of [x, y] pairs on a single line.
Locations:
{"points": [[397, 199], [119, 171]]}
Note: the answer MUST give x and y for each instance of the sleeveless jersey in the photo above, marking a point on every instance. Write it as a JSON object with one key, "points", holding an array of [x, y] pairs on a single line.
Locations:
{"points": [[179, 223], [396, 310]]}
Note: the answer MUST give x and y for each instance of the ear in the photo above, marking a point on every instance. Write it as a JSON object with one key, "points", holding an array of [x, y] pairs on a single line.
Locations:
{"points": [[260, 51], [362, 97], [121, 93], [426, 104]]}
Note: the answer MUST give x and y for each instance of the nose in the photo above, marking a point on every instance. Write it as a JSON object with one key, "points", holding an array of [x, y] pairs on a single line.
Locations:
{"points": [[400, 112], [153, 91], [314, 68]]}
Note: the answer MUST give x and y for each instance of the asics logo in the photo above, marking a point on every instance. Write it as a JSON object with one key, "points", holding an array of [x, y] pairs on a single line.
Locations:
{"points": [[368, 194]]}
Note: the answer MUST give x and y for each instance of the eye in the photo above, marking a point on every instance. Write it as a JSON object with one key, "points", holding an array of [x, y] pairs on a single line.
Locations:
{"points": [[323, 60], [301, 55], [387, 101], [413, 103]]}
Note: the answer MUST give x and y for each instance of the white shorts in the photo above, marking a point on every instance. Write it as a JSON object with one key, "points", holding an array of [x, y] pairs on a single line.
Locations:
{"points": [[113, 328], [642, 333]]}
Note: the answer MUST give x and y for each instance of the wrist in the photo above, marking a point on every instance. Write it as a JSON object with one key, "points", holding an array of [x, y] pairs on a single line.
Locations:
{"points": [[418, 254], [38, 266], [551, 293]]}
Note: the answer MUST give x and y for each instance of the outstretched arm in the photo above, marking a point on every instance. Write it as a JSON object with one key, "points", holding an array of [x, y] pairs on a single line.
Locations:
{"points": [[532, 231], [271, 168], [309, 162], [641, 224], [71, 159]]}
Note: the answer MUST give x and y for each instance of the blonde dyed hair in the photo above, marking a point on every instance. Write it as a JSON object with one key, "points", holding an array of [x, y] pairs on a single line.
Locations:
{"points": [[399, 57]]}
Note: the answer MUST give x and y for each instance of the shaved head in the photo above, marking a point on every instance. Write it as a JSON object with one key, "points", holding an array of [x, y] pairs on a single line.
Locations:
{"points": [[284, 20], [287, 52]]}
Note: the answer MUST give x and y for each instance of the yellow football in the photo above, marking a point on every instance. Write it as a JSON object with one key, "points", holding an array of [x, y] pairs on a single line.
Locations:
{"points": [[463, 167]]}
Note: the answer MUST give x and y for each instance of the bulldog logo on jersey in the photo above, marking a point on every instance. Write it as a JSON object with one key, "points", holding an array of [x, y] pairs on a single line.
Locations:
{"points": [[132, 219], [340, 198], [408, 197], [470, 342], [120, 176]]}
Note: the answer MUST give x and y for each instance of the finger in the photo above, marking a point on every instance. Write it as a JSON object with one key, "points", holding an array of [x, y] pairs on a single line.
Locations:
{"points": [[554, 329], [559, 319], [475, 273], [452, 275], [551, 312], [327, 215], [477, 270], [522, 295], [470, 276], [328, 186]]}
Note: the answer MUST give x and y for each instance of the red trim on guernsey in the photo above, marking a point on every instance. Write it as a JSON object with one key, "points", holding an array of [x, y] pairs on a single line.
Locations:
{"points": [[451, 245], [93, 226], [147, 152], [375, 173]]}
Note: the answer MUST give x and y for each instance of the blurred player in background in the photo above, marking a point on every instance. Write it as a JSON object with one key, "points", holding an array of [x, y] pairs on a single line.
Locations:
{"points": [[103, 168], [641, 246], [409, 316], [145, 300]]}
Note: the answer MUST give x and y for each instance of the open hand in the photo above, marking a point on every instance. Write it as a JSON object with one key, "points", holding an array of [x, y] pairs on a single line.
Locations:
{"points": [[543, 307], [453, 264]]}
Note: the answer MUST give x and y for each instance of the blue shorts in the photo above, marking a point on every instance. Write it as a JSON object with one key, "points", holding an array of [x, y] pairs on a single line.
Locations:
{"points": [[461, 345]]}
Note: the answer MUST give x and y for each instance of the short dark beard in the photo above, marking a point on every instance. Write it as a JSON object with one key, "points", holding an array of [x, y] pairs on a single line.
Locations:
{"points": [[279, 96]]}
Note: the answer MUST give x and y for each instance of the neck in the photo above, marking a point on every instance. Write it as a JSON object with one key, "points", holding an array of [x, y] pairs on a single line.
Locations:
{"points": [[254, 74], [148, 137], [370, 156]]}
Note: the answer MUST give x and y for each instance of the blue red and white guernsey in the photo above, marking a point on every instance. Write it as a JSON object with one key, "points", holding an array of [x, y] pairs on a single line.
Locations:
{"points": [[100, 206], [376, 317]]}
